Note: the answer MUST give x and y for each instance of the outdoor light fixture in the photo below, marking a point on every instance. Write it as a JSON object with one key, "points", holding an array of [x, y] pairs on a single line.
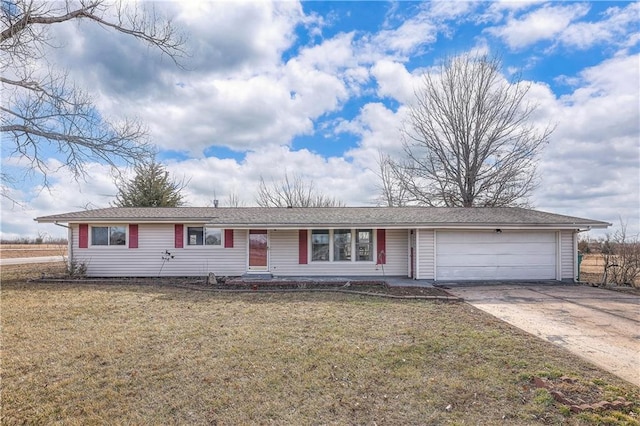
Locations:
{"points": [[498, 231]]}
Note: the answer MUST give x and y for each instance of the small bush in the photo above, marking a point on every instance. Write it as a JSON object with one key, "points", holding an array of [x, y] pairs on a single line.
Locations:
{"points": [[76, 269]]}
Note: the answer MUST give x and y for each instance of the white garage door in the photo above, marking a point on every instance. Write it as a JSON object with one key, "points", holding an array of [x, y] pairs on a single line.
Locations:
{"points": [[509, 255]]}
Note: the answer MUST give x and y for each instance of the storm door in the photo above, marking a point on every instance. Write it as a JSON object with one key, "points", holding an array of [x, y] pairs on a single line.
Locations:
{"points": [[258, 250]]}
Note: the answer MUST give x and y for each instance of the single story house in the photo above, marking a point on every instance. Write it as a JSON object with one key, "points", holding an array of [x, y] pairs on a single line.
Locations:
{"points": [[426, 243]]}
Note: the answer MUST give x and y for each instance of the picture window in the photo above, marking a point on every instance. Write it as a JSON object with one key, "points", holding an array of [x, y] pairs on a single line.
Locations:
{"points": [[339, 245], [108, 235]]}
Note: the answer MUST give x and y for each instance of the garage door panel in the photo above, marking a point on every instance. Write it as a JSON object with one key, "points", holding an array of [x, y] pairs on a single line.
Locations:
{"points": [[453, 249], [517, 255], [494, 273], [492, 237], [514, 260]]}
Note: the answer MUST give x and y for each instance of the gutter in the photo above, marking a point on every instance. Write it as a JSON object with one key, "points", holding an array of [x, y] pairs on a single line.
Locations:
{"points": [[69, 241], [581, 227]]}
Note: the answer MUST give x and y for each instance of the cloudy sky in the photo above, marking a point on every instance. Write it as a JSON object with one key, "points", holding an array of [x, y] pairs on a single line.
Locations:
{"points": [[317, 88]]}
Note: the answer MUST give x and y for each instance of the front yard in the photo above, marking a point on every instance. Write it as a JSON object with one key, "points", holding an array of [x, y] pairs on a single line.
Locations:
{"points": [[106, 353]]}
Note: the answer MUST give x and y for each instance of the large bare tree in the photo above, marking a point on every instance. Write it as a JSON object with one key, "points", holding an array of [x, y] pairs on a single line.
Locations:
{"points": [[43, 110], [470, 139], [392, 191], [293, 191]]}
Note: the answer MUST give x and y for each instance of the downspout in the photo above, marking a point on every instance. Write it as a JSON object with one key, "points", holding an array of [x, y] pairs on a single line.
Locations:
{"points": [[576, 259], [69, 241]]}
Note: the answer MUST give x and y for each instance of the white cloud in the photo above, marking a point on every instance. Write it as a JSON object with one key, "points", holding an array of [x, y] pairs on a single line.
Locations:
{"points": [[405, 39], [64, 195], [395, 81], [379, 129], [614, 29], [592, 165], [541, 24], [513, 5]]}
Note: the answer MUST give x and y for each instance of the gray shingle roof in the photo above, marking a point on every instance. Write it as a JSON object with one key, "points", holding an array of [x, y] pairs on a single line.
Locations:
{"points": [[245, 217]]}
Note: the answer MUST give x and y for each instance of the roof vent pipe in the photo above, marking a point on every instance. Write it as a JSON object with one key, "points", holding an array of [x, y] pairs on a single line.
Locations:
{"points": [[215, 203]]}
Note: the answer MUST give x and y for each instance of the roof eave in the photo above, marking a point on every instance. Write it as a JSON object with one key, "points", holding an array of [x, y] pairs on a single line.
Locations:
{"points": [[430, 225]]}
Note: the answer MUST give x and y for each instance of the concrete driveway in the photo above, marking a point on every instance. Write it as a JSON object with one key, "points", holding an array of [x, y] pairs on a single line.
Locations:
{"points": [[601, 326], [28, 260]]}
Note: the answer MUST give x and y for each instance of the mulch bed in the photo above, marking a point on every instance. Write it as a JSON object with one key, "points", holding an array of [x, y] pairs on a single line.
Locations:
{"points": [[237, 284], [374, 287]]}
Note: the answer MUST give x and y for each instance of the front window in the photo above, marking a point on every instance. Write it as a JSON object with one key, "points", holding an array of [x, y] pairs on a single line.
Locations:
{"points": [[320, 245], [342, 244], [213, 236], [108, 235], [200, 235], [364, 244]]}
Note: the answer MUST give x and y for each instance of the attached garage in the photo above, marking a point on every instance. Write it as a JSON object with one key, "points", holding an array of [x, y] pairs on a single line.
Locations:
{"points": [[495, 255]]}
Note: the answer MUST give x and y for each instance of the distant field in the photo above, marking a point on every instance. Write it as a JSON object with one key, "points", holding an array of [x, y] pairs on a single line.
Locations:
{"points": [[12, 251], [592, 269], [592, 264]]}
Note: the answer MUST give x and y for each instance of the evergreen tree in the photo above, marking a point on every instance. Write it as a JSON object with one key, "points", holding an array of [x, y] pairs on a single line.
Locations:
{"points": [[151, 187]]}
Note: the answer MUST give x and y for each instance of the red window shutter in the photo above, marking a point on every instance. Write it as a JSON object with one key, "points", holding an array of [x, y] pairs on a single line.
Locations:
{"points": [[179, 236], [228, 238], [302, 247], [133, 236], [382, 247], [83, 236]]}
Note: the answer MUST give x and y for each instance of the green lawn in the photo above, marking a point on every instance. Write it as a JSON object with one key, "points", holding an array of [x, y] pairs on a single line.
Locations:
{"points": [[87, 354]]}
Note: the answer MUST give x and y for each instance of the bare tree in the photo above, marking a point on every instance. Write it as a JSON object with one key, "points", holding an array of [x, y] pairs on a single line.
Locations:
{"points": [[43, 110], [233, 200], [293, 192], [470, 140], [621, 255], [392, 192]]}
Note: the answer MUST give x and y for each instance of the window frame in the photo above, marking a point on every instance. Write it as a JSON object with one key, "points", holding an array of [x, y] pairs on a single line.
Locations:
{"points": [[369, 245], [353, 245], [342, 247], [326, 232], [110, 235], [203, 236]]}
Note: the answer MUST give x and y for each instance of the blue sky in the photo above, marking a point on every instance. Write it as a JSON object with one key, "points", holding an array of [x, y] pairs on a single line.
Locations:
{"points": [[318, 88]]}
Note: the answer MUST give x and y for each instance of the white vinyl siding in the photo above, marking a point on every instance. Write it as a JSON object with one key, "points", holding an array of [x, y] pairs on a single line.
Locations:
{"points": [[567, 253], [440, 255], [489, 255], [425, 252], [284, 250], [147, 259]]}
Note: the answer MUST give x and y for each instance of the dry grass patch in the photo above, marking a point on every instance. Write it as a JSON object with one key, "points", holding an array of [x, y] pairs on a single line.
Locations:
{"points": [[79, 353], [11, 251], [21, 273]]}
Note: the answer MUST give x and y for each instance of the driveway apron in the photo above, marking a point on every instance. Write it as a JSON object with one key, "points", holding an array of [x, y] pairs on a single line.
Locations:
{"points": [[601, 326]]}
